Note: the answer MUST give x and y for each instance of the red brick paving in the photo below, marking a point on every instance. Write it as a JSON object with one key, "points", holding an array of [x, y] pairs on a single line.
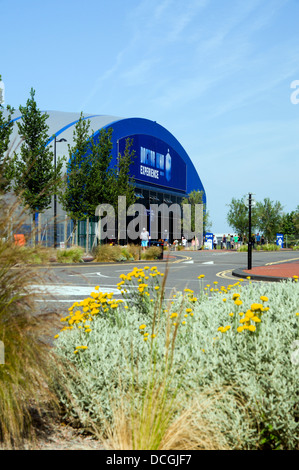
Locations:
{"points": [[285, 270]]}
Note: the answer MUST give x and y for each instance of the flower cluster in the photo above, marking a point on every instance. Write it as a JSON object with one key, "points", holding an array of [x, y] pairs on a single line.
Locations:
{"points": [[253, 316], [141, 286], [249, 320], [82, 314]]}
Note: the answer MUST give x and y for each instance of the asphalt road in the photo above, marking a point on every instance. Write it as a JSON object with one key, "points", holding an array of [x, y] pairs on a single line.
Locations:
{"points": [[60, 286]]}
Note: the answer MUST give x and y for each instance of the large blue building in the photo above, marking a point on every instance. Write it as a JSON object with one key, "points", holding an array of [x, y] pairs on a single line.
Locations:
{"points": [[162, 169]]}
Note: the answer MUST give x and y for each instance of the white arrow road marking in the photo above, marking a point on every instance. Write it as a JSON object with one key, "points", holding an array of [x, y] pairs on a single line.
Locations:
{"points": [[63, 290], [89, 275]]}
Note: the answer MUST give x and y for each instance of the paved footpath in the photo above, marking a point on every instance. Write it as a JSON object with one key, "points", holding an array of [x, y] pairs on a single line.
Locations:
{"points": [[272, 272]]}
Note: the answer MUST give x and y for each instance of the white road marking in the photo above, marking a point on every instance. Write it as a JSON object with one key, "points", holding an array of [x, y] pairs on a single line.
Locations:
{"points": [[89, 275], [63, 290]]}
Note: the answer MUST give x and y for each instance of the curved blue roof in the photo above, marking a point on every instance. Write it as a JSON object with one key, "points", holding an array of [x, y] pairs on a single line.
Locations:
{"points": [[62, 124]]}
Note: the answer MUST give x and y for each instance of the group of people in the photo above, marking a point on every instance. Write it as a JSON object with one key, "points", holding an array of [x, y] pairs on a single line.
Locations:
{"points": [[231, 242], [145, 238]]}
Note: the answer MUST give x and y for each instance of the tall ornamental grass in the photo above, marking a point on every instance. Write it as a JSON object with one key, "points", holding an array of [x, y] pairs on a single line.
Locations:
{"points": [[25, 366], [219, 362]]}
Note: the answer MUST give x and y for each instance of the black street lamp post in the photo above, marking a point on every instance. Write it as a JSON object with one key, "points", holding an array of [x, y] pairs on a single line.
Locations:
{"points": [[55, 195], [249, 261]]}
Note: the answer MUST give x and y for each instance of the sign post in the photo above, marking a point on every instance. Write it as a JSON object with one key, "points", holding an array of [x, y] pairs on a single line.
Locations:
{"points": [[209, 241], [279, 240]]}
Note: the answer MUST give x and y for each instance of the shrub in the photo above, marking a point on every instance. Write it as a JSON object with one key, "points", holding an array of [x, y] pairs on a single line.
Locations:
{"points": [[151, 253], [135, 251], [109, 253], [32, 255], [270, 247], [245, 356], [70, 255]]}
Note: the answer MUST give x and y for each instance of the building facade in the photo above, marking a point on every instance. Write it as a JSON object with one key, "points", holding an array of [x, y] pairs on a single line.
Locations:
{"points": [[163, 171]]}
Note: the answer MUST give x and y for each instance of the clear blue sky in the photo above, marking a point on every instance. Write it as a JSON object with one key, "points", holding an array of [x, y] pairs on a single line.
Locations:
{"points": [[216, 73]]}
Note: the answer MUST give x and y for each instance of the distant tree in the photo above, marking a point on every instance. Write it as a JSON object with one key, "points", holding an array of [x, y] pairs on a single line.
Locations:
{"points": [[100, 178], [6, 125], [124, 182], [89, 180], [194, 198], [72, 196], [287, 226], [296, 220], [269, 215], [238, 216], [35, 176]]}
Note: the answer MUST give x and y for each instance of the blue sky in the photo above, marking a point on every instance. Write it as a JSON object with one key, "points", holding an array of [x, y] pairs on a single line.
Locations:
{"points": [[216, 73]]}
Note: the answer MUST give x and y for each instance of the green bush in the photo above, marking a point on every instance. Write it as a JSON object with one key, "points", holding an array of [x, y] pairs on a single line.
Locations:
{"points": [[270, 247], [151, 253], [226, 341], [70, 255], [111, 253]]}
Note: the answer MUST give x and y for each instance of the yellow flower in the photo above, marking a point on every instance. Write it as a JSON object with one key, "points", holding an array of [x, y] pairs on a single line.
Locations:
{"points": [[235, 296], [188, 310], [249, 314], [183, 322], [56, 336], [256, 319], [264, 298], [142, 327], [256, 306], [157, 287], [238, 302], [252, 328], [240, 329], [224, 300]]}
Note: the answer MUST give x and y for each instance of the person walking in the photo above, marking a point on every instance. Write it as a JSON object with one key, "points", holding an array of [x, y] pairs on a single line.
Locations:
{"points": [[144, 237], [228, 246], [215, 242]]}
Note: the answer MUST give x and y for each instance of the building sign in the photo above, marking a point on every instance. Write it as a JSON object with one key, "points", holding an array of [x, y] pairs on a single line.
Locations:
{"points": [[156, 162]]}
